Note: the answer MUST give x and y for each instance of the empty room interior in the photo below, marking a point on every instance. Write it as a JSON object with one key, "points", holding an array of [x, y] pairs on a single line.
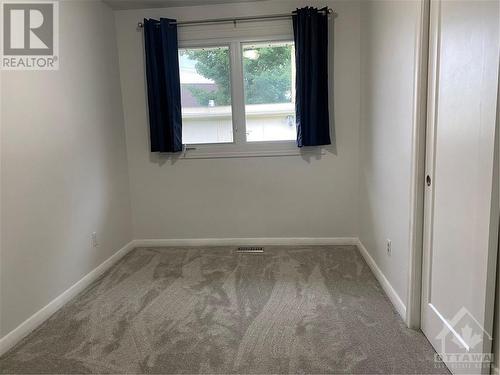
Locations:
{"points": [[249, 187]]}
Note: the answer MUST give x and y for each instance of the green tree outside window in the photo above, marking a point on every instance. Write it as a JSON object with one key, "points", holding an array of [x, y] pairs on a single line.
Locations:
{"points": [[267, 77]]}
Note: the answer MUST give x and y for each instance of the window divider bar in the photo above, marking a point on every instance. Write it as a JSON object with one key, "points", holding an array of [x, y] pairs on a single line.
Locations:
{"points": [[238, 93]]}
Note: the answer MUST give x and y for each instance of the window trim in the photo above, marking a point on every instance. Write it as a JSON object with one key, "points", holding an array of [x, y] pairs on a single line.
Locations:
{"points": [[239, 147]]}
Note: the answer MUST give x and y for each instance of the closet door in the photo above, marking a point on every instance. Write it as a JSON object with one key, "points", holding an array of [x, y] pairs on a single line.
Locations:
{"points": [[461, 221]]}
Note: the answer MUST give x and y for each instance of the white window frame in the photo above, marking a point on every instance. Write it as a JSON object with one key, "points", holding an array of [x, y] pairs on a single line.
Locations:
{"points": [[239, 147]]}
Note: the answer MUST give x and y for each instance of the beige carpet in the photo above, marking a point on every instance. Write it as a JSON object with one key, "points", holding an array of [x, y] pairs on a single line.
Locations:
{"points": [[208, 310]]}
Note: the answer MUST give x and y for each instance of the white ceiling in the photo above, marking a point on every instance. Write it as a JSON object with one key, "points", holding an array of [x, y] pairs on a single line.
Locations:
{"points": [[144, 4]]}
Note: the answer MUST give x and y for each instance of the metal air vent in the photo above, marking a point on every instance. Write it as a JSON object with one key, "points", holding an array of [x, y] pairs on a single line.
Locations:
{"points": [[250, 250]]}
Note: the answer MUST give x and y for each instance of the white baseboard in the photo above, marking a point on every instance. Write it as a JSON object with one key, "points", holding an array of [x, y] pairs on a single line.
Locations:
{"points": [[30, 324], [285, 241], [386, 285]]}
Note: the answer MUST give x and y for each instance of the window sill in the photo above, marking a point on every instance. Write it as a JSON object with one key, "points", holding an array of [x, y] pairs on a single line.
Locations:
{"points": [[206, 154]]}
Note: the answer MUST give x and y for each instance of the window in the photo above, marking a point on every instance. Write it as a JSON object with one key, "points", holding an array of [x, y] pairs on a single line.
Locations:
{"points": [[206, 95], [238, 98], [269, 81]]}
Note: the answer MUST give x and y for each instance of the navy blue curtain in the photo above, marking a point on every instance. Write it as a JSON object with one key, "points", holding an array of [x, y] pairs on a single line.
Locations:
{"points": [[310, 29], [164, 88]]}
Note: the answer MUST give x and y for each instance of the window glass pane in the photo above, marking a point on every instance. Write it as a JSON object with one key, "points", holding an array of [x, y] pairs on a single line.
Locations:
{"points": [[206, 95], [269, 78]]}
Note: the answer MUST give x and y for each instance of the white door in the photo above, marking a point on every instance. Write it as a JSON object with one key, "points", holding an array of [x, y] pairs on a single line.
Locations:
{"points": [[460, 224]]}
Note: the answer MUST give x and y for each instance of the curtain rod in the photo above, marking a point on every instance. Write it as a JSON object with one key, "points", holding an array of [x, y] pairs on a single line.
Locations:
{"points": [[328, 11]]}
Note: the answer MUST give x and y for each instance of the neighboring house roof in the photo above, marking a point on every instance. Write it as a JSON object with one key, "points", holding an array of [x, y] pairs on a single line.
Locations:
{"points": [[188, 100]]}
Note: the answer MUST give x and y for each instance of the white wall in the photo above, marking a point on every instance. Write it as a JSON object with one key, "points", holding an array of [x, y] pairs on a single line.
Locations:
{"points": [[63, 158], [245, 197], [388, 40]]}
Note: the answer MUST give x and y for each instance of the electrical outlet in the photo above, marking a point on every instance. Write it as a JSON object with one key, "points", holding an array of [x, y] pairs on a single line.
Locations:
{"points": [[94, 240], [389, 247]]}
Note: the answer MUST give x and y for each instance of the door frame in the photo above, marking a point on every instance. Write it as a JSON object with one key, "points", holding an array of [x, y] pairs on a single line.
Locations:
{"points": [[417, 188]]}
